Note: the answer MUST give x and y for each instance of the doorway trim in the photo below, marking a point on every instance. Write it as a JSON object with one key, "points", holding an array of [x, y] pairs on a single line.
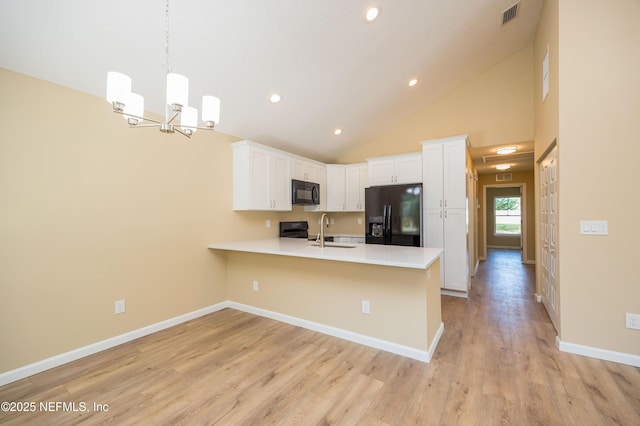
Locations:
{"points": [[524, 214]]}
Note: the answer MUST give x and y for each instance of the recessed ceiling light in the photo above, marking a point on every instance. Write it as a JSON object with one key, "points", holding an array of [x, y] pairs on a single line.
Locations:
{"points": [[503, 166], [506, 150], [275, 98], [372, 13], [337, 132], [413, 82]]}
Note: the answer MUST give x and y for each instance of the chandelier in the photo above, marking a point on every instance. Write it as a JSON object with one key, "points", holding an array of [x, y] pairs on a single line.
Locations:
{"points": [[179, 116]]}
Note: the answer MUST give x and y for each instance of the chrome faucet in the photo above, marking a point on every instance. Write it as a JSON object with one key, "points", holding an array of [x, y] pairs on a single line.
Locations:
{"points": [[323, 219]]}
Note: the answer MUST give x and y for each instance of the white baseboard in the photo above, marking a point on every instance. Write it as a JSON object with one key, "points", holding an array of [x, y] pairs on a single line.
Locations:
{"points": [[409, 352], [604, 354], [462, 294], [64, 358], [538, 297]]}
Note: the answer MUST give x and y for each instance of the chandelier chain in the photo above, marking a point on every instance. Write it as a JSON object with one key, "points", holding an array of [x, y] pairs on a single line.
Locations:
{"points": [[167, 70]]}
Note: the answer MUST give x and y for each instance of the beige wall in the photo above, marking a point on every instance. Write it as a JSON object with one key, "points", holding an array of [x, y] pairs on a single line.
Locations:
{"points": [[405, 304], [92, 212], [599, 110], [519, 178], [494, 108], [546, 113]]}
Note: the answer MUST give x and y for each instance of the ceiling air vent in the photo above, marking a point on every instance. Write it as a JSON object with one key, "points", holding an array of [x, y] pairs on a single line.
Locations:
{"points": [[510, 14], [503, 177]]}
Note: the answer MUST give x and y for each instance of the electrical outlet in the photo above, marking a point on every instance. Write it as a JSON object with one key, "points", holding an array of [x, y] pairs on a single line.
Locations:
{"points": [[255, 286], [633, 321], [359, 221], [268, 223], [366, 307], [119, 306], [428, 273]]}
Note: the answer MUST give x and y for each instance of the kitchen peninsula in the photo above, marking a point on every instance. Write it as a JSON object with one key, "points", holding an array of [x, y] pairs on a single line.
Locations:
{"points": [[387, 297]]}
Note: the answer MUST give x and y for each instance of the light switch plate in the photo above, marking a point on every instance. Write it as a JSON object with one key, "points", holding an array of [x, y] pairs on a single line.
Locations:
{"points": [[594, 227]]}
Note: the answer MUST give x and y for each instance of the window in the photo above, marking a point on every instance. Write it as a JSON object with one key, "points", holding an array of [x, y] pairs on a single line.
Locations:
{"points": [[507, 216]]}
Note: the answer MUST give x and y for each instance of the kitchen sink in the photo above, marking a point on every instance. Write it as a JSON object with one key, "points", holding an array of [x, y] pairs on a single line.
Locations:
{"points": [[333, 245]]}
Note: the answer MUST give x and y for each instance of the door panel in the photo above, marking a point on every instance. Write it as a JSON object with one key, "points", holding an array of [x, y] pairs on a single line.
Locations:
{"points": [[548, 174]]}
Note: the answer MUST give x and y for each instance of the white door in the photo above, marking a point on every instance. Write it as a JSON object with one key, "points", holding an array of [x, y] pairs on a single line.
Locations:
{"points": [[434, 235], [548, 177]]}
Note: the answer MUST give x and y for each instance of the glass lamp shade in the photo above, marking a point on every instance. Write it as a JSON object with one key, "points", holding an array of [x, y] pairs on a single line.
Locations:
{"points": [[134, 105], [177, 89], [118, 87], [189, 118], [210, 109]]}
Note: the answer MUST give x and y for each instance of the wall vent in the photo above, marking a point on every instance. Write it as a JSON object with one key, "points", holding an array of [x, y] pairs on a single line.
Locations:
{"points": [[510, 14], [503, 177]]}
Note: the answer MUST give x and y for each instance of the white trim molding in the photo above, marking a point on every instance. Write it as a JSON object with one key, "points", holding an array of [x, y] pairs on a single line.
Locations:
{"points": [[75, 354], [395, 348], [604, 354], [64, 358]]}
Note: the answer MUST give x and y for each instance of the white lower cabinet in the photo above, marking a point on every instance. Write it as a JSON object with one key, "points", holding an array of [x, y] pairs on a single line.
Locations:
{"points": [[261, 178]]}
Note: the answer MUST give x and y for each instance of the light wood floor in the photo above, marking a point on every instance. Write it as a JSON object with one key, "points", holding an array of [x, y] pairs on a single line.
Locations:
{"points": [[496, 364]]}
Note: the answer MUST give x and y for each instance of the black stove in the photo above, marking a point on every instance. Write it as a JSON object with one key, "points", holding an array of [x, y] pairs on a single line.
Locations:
{"points": [[296, 229]]}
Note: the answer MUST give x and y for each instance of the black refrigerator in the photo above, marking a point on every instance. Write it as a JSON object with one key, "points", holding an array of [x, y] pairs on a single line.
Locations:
{"points": [[394, 215]]}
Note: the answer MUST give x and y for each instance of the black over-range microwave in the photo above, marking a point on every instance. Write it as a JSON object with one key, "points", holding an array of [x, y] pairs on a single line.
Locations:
{"points": [[305, 192]]}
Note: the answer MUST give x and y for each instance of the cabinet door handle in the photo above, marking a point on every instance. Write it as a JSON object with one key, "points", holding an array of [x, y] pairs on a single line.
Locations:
{"points": [[440, 203]]}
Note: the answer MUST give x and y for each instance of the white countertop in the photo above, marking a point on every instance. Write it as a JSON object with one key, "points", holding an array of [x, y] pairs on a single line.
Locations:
{"points": [[372, 254]]}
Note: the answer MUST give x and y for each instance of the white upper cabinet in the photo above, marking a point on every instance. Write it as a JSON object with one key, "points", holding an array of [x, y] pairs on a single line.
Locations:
{"points": [[445, 174], [395, 169], [345, 187], [261, 178], [356, 178], [305, 170], [336, 188]]}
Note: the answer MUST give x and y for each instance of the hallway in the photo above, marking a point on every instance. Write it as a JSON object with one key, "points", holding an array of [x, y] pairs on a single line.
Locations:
{"points": [[507, 367]]}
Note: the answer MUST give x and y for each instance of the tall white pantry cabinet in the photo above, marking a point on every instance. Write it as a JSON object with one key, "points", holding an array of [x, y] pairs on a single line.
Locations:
{"points": [[444, 163]]}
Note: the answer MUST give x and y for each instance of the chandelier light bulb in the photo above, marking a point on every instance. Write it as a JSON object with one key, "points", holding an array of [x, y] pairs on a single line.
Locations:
{"points": [[177, 90], [210, 110], [189, 119], [133, 108], [118, 87]]}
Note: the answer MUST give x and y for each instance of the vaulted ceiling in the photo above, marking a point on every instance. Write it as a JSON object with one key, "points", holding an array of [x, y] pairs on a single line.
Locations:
{"points": [[332, 68]]}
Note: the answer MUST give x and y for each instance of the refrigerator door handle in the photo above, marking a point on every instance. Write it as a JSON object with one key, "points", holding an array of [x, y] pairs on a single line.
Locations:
{"points": [[388, 224]]}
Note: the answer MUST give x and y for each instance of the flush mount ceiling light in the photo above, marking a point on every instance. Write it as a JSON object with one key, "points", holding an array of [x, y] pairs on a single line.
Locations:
{"points": [[337, 132], [506, 150], [503, 166], [372, 14], [413, 82], [131, 105]]}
